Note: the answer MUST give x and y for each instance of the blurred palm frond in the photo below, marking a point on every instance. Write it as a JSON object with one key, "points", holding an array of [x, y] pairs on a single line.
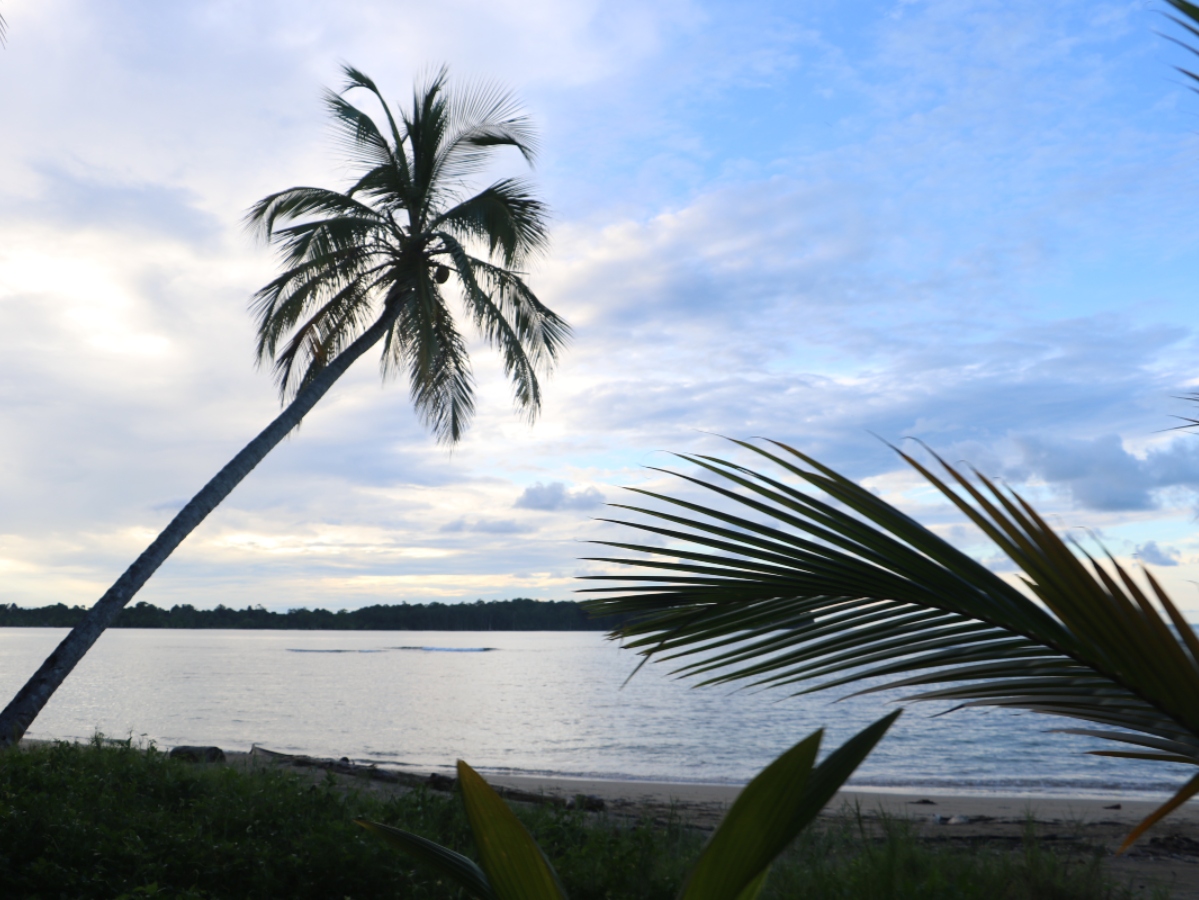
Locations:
{"points": [[776, 586]]}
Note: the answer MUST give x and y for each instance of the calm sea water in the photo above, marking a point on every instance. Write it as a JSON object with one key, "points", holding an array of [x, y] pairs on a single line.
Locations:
{"points": [[526, 702]]}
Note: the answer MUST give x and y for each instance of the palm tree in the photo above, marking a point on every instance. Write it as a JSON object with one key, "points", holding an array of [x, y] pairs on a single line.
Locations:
{"points": [[775, 586], [368, 266]]}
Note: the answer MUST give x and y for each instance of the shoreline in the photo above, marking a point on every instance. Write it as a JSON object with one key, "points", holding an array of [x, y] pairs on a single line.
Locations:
{"points": [[1167, 855], [901, 803], [1075, 828], [704, 804], [910, 802]]}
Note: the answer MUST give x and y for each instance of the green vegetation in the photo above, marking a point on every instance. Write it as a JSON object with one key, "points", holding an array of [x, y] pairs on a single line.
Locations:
{"points": [[520, 614], [767, 816], [851, 859], [108, 820]]}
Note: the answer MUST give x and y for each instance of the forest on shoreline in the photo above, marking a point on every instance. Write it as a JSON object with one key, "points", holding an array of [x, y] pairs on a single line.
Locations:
{"points": [[519, 614]]}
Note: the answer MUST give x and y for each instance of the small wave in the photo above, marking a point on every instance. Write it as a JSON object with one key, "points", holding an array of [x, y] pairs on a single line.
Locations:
{"points": [[448, 649], [385, 649], [1047, 785], [309, 650]]}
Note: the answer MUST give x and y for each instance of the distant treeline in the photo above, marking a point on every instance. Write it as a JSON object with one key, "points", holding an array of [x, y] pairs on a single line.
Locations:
{"points": [[521, 614]]}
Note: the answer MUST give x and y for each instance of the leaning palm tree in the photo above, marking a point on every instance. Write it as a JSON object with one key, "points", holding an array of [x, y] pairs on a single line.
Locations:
{"points": [[372, 266], [775, 585]]}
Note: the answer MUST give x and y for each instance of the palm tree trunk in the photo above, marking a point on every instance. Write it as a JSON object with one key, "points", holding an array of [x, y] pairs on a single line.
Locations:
{"points": [[29, 701]]}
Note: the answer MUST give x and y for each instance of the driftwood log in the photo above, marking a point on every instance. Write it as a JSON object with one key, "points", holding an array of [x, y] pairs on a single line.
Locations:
{"points": [[198, 754], [435, 781]]}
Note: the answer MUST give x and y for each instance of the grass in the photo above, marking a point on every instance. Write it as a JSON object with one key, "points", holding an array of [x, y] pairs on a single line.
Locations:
{"points": [[888, 860], [110, 820]]}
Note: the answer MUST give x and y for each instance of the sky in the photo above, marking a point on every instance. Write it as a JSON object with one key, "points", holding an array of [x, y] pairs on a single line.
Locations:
{"points": [[837, 225]]}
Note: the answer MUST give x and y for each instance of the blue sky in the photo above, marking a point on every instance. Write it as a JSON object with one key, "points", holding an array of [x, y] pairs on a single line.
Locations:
{"points": [[970, 224]]}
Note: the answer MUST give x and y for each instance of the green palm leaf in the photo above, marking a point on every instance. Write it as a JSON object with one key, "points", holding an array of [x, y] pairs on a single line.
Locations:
{"points": [[778, 586], [516, 868], [458, 868], [766, 817], [770, 813]]}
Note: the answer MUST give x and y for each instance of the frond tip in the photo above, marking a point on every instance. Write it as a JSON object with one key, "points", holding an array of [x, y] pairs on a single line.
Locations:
{"points": [[778, 586]]}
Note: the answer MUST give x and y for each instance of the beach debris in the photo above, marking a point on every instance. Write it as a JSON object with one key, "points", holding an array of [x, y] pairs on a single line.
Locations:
{"points": [[923, 801], [341, 766], [1176, 844], [955, 820], [198, 754], [434, 781], [586, 802]]}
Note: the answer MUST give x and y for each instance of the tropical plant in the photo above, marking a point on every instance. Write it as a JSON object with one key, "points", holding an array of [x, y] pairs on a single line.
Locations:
{"points": [[778, 587], [366, 266], [765, 818]]}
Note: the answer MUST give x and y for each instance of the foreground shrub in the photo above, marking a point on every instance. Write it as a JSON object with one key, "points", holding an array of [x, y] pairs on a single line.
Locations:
{"points": [[851, 860], [111, 821], [767, 816], [106, 820]]}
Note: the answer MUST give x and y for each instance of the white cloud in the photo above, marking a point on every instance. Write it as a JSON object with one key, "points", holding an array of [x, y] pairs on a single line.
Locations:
{"points": [[1150, 553], [555, 496], [1101, 474], [967, 225], [485, 526]]}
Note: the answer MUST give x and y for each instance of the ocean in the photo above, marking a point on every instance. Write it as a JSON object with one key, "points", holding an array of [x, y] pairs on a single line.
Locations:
{"points": [[543, 703]]}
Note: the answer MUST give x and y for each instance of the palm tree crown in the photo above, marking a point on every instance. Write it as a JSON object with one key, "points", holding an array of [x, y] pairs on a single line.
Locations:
{"points": [[388, 247]]}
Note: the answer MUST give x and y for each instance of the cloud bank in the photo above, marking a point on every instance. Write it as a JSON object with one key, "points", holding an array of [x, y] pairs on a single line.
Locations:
{"points": [[969, 226]]}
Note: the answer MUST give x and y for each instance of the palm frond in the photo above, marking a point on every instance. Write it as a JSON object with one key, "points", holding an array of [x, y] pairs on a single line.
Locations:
{"points": [[483, 116], [357, 79], [774, 585], [490, 320], [424, 131], [1191, 12], [426, 343], [360, 136], [505, 216], [544, 332], [304, 292], [297, 203], [327, 332], [1189, 422]]}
